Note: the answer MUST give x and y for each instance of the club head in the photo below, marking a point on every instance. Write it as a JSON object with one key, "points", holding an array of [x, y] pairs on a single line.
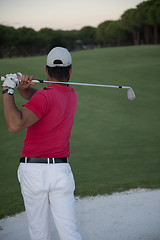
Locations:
{"points": [[130, 94]]}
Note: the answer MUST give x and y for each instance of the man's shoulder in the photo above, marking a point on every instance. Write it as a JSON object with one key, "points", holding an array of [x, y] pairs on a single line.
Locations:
{"points": [[41, 95], [44, 91]]}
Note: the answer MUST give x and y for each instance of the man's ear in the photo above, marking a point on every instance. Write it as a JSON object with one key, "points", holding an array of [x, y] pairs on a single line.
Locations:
{"points": [[70, 71], [46, 70]]}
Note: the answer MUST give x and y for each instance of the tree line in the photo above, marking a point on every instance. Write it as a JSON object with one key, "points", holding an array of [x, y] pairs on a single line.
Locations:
{"points": [[140, 25]]}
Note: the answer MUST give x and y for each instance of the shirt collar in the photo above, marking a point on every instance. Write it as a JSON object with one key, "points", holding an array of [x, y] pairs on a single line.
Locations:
{"points": [[56, 85]]}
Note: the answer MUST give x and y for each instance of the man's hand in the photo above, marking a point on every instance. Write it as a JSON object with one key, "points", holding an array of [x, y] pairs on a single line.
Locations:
{"points": [[11, 81], [25, 88], [25, 81]]}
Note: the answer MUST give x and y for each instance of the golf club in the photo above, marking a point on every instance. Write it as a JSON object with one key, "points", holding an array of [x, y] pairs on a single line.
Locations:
{"points": [[130, 92]]}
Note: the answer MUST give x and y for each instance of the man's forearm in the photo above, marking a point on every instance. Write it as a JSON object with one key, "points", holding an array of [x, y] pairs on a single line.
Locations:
{"points": [[11, 112], [17, 120], [28, 92]]}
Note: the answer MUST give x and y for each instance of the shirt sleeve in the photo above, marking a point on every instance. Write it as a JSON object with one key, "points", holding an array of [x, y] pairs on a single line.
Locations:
{"points": [[38, 105]]}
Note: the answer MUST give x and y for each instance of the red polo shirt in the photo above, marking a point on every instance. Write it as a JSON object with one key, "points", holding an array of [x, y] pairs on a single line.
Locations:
{"points": [[55, 106]]}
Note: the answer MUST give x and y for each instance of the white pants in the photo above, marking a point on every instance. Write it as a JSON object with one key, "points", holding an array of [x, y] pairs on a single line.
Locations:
{"points": [[45, 187]]}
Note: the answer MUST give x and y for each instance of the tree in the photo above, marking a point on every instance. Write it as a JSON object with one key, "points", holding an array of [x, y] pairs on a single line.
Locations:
{"points": [[116, 35], [47, 35], [52, 38], [7, 41], [71, 37], [26, 41], [58, 39], [101, 33], [130, 23], [153, 17], [88, 35], [143, 19]]}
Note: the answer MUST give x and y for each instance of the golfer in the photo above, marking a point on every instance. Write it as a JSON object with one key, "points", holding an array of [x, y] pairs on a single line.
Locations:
{"points": [[44, 172]]}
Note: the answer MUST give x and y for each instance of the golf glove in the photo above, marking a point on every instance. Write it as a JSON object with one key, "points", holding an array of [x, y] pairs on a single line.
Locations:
{"points": [[11, 81]]}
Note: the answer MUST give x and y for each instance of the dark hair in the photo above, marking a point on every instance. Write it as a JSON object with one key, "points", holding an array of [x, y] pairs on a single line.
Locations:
{"points": [[59, 73]]}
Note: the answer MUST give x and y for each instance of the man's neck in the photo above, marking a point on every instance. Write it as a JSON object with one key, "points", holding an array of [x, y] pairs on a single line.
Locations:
{"points": [[55, 80]]}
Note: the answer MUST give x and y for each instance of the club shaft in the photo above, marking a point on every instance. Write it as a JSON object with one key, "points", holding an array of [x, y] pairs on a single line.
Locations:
{"points": [[75, 83], [81, 84]]}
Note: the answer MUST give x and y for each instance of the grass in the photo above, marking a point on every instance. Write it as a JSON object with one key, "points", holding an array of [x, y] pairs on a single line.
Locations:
{"points": [[114, 142]]}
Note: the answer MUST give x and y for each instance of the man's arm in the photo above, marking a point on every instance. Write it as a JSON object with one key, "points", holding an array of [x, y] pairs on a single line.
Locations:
{"points": [[17, 120], [25, 89]]}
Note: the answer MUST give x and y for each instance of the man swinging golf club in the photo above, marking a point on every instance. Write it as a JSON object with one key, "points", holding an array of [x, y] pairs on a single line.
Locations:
{"points": [[44, 173]]}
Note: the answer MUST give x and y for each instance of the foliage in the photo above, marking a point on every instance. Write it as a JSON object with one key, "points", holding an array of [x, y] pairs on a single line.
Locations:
{"points": [[129, 22], [88, 35], [143, 21], [140, 25], [101, 33], [116, 35]]}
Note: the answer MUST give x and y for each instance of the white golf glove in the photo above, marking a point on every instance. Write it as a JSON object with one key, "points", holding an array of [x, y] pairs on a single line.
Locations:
{"points": [[12, 81]]}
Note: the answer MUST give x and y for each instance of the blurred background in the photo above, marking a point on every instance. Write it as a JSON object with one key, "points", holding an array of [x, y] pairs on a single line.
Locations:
{"points": [[34, 27]]}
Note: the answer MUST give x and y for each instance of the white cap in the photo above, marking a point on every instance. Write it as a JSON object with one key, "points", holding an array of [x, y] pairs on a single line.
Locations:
{"points": [[59, 57]]}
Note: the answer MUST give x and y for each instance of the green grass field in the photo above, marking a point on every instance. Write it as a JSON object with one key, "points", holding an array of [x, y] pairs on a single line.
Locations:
{"points": [[115, 142]]}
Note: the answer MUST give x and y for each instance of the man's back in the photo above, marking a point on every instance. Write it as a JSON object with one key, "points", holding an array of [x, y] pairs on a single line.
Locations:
{"points": [[55, 106]]}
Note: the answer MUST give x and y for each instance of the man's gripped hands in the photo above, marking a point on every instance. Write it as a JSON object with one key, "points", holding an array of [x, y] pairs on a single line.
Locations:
{"points": [[26, 81], [17, 81], [12, 80]]}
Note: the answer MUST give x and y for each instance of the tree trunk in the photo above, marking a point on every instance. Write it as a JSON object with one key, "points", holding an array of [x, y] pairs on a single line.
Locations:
{"points": [[1, 52], [147, 34], [155, 34], [136, 36]]}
